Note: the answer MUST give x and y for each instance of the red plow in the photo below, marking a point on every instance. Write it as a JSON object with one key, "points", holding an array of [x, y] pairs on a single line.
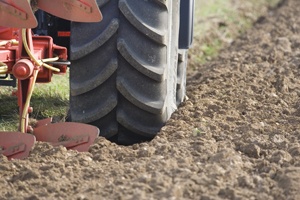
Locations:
{"points": [[34, 59]]}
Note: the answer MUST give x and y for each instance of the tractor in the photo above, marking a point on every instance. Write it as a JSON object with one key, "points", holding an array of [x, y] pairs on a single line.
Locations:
{"points": [[127, 67]]}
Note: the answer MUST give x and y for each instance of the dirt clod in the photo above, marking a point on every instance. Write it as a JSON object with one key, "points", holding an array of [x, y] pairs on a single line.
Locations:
{"points": [[236, 137]]}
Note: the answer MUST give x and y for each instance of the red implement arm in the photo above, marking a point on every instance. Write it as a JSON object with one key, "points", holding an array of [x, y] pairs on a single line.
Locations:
{"points": [[29, 59]]}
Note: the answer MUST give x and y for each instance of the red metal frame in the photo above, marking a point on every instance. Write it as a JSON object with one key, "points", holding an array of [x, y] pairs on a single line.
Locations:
{"points": [[42, 47], [21, 61]]}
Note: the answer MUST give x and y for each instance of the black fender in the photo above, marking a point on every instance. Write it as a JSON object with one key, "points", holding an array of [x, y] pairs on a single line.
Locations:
{"points": [[186, 27]]}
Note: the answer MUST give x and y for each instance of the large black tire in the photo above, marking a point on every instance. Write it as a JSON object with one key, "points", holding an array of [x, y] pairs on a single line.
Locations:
{"points": [[123, 76]]}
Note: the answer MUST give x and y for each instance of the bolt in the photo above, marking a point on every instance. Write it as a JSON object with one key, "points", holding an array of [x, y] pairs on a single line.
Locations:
{"points": [[22, 71], [30, 109]]}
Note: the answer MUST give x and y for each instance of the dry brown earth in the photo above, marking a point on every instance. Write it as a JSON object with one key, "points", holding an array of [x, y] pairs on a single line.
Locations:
{"points": [[237, 137]]}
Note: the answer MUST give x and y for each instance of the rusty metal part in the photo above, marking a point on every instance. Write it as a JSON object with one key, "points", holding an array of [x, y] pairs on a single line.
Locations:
{"points": [[74, 10], [16, 145], [75, 136], [17, 14]]}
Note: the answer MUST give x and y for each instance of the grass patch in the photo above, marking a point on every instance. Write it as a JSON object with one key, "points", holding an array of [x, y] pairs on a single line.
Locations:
{"points": [[9, 113], [51, 99]]}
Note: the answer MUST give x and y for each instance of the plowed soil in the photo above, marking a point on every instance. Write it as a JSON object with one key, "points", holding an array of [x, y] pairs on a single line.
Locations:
{"points": [[236, 137]]}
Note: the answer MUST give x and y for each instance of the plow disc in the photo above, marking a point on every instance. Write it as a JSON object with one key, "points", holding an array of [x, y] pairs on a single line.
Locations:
{"points": [[16, 145], [74, 10], [75, 136], [19, 14]]}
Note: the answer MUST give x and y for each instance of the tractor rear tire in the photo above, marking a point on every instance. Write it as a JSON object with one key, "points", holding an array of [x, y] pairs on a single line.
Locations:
{"points": [[123, 76]]}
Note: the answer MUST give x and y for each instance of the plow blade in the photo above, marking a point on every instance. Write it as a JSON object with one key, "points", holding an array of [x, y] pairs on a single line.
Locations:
{"points": [[16, 145], [19, 14], [74, 10], [16, 14], [75, 136]]}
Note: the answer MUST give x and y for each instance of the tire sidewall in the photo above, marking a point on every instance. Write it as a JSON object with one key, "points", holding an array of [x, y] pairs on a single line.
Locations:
{"points": [[172, 57]]}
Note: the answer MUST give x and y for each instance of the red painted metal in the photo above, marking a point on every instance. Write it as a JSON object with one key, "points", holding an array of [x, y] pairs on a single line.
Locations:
{"points": [[74, 10], [23, 69], [75, 136], [17, 14], [9, 33], [8, 57], [43, 122], [16, 145], [42, 47]]}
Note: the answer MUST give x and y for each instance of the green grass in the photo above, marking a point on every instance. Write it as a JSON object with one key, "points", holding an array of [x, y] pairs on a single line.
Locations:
{"points": [[217, 22], [51, 99], [48, 100], [8, 110]]}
